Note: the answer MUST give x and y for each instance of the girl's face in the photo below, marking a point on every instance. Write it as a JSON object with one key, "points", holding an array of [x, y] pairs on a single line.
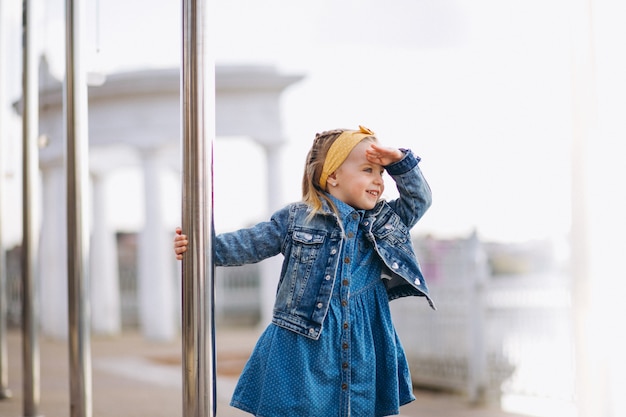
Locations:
{"points": [[358, 182]]}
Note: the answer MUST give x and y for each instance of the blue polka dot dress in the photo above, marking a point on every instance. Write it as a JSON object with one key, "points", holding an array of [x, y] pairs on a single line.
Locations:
{"points": [[357, 368]]}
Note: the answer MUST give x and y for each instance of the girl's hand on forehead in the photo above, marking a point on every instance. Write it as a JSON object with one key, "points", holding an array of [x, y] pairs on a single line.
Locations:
{"points": [[382, 155]]}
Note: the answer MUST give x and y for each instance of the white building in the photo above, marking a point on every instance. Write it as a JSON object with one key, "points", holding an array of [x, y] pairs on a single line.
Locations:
{"points": [[134, 121]]}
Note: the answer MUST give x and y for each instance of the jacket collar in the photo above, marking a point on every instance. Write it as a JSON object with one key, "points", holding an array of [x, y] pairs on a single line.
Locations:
{"points": [[327, 210]]}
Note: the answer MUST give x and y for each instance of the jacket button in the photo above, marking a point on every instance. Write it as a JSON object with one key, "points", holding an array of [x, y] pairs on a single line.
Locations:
{"points": [[344, 303], [395, 265], [366, 223], [344, 346], [388, 226], [320, 305], [355, 216], [311, 331], [333, 251], [350, 235], [344, 386], [327, 277], [346, 260], [417, 281], [345, 282], [344, 365]]}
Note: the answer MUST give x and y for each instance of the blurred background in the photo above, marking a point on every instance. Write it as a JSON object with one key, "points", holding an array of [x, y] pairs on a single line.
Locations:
{"points": [[515, 107], [480, 90]]}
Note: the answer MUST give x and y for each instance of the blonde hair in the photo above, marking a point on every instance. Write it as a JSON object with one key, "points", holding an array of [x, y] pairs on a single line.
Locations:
{"points": [[312, 192]]}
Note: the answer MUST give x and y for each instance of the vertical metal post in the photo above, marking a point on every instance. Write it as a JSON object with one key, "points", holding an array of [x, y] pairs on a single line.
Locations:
{"points": [[30, 235], [77, 233], [198, 123], [4, 372]]}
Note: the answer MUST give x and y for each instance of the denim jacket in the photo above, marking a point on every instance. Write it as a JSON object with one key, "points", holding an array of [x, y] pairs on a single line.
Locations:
{"points": [[311, 247]]}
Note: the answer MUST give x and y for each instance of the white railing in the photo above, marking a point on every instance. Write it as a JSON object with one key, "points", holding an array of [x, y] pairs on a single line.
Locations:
{"points": [[491, 337], [237, 294]]}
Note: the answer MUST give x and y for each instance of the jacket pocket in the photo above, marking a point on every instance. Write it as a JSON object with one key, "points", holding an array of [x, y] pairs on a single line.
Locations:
{"points": [[306, 247], [391, 229]]}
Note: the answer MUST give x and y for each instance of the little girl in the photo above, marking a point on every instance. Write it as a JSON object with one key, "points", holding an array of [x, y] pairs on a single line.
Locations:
{"points": [[332, 349]]}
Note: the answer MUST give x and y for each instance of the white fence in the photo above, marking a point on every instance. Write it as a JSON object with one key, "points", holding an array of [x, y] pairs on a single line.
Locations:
{"points": [[237, 296]]}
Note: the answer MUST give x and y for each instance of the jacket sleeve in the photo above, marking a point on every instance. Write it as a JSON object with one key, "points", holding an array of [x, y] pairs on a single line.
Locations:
{"points": [[415, 195], [251, 245]]}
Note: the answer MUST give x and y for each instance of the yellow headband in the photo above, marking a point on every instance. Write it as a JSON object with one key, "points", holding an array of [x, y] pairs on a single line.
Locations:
{"points": [[340, 149]]}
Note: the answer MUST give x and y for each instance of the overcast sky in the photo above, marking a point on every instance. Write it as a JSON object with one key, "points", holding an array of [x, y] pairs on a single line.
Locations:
{"points": [[480, 89]]}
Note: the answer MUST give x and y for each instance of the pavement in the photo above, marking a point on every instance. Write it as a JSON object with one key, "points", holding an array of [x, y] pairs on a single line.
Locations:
{"points": [[133, 377]]}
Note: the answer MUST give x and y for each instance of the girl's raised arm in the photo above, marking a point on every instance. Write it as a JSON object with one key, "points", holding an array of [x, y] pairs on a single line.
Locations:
{"points": [[415, 195]]}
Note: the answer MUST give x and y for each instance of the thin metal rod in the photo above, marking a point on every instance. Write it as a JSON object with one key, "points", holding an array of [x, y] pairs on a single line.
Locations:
{"points": [[5, 392], [198, 124], [30, 235], [77, 233]]}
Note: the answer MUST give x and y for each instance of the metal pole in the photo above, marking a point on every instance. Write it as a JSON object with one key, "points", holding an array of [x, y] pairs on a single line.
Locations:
{"points": [[77, 234], [30, 235], [5, 392], [198, 122]]}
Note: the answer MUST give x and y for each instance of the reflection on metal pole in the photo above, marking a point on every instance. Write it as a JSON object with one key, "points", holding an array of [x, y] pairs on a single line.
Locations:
{"points": [[77, 236], [198, 123], [30, 235], [4, 372]]}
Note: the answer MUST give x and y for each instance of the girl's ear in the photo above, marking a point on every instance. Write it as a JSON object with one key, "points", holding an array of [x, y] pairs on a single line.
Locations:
{"points": [[332, 177]]}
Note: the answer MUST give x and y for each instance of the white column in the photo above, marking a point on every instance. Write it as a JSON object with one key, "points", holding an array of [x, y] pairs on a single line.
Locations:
{"points": [[270, 268], [155, 285], [105, 289], [53, 254]]}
